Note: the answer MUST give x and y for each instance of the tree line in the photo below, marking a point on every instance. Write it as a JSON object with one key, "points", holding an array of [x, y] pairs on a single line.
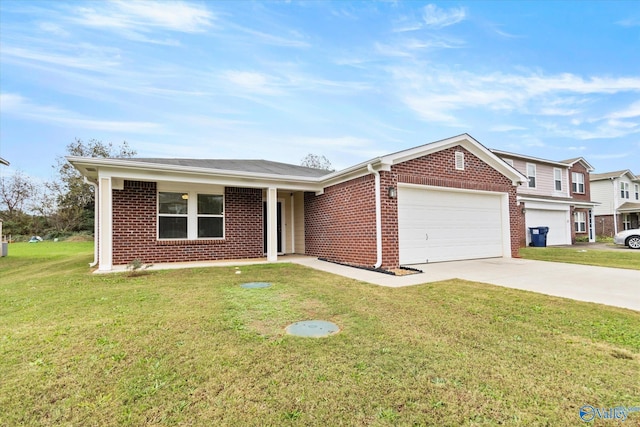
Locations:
{"points": [[58, 208]]}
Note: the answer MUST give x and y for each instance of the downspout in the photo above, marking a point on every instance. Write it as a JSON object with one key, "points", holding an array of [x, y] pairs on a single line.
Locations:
{"points": [[95, 222], [615, 203], [378, 217]]}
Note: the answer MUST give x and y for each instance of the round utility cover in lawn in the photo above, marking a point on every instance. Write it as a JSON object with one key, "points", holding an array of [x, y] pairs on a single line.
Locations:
{"points": [[255, 285], [312, 328]]}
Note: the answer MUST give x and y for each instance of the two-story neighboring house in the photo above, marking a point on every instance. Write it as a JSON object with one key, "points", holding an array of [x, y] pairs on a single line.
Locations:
{"points": [[618, 193], [557, 195]]}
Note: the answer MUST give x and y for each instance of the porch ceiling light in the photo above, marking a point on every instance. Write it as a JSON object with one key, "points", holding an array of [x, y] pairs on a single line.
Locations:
{"points": [[185, 196]]}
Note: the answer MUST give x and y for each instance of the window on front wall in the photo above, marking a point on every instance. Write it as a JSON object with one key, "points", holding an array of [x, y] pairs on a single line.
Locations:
{"points": [[636, 189], [185, 215], [577, 182], [210, 216], [580, 222], [626, 221], [531, 174], [173, 215], [557, 178], [624, 190]]}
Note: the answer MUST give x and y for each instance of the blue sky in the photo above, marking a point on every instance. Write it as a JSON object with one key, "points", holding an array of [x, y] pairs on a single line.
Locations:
{"points": [[348, 80]]}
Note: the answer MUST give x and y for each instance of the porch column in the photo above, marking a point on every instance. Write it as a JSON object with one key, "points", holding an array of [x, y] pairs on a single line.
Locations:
{"points": [[592, 226], [105, 231], [272, 224]]}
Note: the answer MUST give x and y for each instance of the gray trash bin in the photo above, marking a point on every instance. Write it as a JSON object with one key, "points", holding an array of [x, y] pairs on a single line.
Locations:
{"points": [[5, 249]]}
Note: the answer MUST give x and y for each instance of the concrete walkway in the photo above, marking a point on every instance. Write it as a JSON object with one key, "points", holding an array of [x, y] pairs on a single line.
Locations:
{"points": [[611, 286]]}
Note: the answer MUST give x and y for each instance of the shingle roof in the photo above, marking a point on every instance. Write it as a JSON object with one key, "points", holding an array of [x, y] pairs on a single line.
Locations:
{"points": [[629, 207], [252, 166], [607, 175], [3, 162]]}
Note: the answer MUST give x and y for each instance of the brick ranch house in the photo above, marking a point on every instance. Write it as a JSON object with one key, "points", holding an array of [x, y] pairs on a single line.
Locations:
{"points": [[448, 200]]}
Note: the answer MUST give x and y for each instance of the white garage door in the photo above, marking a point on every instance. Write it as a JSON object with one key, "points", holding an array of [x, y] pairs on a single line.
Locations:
{"points": [[436, 225], [557, 221]]}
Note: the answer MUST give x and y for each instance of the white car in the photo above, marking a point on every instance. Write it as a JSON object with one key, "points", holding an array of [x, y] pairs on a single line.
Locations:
{"points": [[629, 238]]}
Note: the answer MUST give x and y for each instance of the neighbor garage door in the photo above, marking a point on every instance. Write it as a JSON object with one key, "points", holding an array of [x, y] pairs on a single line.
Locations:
{"points": [[436, 225], [556, 220]]}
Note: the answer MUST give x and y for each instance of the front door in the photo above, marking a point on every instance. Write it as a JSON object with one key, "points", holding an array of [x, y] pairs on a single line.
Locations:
{"points": [[279, 226]]}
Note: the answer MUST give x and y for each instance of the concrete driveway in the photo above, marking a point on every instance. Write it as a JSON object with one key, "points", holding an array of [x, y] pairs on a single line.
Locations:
{"points": [[610, 286]]}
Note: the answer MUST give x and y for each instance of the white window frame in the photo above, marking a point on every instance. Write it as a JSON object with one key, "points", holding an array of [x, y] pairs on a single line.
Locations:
{"points": [[531, 173], [192, 213], [580, 221], [636, 190], [509, 162], [557, 179], [577, 182], [626, 222], [624, 190]]}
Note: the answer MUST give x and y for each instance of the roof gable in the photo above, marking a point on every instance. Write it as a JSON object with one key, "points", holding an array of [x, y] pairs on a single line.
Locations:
{"points": [[582, 160], [530, 159], [612, 175], [465, 140]]}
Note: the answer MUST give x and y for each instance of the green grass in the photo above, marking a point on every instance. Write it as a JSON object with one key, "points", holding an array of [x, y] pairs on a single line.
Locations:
{"points": [[190, 347], [604, 258]]}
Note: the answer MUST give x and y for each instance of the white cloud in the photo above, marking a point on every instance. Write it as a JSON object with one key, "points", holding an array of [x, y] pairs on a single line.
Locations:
{"points": [[253, 82], [145, 15], [632, 111], [54, 29], [19, 106], [506, 128], [90, 59], [629, 22], [435, 17], [294, 39], [437, 93]]}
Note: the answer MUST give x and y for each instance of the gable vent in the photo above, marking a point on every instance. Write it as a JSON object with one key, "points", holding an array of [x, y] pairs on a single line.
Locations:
{"points": [[459, 160]]}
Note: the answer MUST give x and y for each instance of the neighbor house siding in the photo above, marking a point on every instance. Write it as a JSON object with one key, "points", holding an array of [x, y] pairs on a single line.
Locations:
{"points": [[545, 180], [603, 192], [135, 232]]}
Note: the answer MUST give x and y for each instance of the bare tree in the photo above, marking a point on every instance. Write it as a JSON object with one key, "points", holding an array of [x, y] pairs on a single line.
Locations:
{"points": [[15, 191], [317, 162]]}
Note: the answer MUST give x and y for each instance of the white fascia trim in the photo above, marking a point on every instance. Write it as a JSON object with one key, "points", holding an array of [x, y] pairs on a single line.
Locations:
{"points": [[466, 141], [182, 171], [207, 179], [540, 200], [530, 158]]}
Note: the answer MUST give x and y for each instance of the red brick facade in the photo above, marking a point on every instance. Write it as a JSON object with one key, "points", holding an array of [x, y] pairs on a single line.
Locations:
{"points": [[340, 224], [135, 235]]}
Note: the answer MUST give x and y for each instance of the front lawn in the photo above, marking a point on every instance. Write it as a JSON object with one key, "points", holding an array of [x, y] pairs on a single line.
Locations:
{"points": [[622, 258], [191, 347]]}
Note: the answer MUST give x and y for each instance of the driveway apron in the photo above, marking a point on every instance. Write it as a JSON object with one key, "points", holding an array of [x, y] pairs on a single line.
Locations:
{"points": [[611, 286]]}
